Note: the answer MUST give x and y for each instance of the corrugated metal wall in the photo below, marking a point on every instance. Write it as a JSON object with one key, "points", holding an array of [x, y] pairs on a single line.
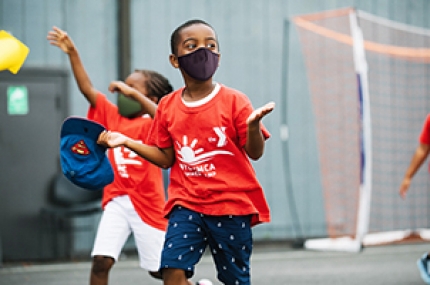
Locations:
{"points": [[251, 39]]}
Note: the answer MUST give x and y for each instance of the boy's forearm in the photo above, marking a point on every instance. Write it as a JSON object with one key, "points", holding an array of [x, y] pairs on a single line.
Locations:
{"points": [[147, 105], [418, 159], [150, 153], [254, 146]]}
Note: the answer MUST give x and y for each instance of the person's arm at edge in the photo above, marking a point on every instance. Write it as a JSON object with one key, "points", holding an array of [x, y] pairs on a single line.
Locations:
{"points": [[255, 141], [418, 158]]}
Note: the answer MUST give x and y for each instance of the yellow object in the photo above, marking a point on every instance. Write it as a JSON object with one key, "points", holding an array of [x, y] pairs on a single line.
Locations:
{"points": [[12, 52]]}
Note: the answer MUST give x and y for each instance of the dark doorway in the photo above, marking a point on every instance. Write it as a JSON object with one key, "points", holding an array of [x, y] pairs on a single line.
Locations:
{"points": [[33, 104]]}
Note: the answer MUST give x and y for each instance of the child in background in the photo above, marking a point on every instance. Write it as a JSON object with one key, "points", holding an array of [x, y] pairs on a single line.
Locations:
{"points": [[206, 132], [134, 202], [421, 153]]}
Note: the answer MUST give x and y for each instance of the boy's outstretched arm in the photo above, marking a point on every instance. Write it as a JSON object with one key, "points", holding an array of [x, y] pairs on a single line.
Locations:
{"points": [[254, 146], [419, 157], [61, 39], [163, 158]]}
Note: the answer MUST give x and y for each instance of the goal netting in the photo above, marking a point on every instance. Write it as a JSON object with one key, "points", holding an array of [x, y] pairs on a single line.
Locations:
{"points": [[369, 82]]}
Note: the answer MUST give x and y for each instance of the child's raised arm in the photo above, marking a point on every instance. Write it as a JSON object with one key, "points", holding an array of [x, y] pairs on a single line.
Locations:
{"points": [[61, 39], [148, 105]]}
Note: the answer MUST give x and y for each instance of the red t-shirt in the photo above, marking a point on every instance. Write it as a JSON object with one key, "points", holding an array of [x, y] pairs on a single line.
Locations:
{"points": [[425, 132], [211, 174], [134, 176]]}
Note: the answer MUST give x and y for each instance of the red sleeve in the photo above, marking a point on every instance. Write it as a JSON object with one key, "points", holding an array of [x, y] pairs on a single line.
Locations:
{"points": [[103, 110], [158, 134], [425, 132]]}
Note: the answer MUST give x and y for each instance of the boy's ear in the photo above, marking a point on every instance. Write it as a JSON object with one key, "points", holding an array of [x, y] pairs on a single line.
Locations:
{"points": [[153, 98], [174, 61]]}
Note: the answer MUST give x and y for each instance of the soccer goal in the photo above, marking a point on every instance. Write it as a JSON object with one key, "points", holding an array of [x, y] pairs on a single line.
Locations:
{"points": [[369, 82]]}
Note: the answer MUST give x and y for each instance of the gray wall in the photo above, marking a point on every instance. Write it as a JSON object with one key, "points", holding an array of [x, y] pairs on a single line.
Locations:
{"points": [[251, 40]]}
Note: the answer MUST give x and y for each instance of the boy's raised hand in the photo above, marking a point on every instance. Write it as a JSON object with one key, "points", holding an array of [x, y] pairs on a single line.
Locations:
{"points": [[259, 113], [61, 39], [111, 139], [119, 86]]}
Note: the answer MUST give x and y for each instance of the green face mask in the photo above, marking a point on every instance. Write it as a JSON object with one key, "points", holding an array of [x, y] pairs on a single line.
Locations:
{"points": [[127, 106]]}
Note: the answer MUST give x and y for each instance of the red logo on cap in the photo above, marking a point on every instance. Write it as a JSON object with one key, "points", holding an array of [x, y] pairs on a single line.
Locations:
{"points": [[80, 148]]}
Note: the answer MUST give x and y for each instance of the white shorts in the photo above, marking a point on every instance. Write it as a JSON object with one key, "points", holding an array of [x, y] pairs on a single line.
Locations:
{"points": [[118, 221]]}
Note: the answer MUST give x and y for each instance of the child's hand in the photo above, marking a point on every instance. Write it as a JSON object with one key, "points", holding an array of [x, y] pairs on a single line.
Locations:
{"points": [[404, 187], [111, 139], [61, 39], [259, 113], [121, 87]]}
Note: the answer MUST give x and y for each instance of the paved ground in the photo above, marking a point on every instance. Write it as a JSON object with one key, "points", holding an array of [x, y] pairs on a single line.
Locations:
{"points": [[271, 265]]}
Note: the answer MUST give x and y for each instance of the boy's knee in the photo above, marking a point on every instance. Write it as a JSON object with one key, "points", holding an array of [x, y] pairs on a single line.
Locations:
{"points": [[156, 274], [174, 276], [102, 264]]}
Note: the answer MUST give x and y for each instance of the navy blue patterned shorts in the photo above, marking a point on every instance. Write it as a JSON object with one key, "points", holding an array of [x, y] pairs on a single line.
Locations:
{"points": [[229, 239]]}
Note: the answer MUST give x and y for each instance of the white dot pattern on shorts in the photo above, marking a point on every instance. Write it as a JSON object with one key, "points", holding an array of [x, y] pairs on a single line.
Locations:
{"points": [[214, 251]]}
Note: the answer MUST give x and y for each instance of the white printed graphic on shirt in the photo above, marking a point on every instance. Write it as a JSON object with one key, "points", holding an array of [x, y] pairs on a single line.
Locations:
{"points": [[124, 156], [195, 161]]}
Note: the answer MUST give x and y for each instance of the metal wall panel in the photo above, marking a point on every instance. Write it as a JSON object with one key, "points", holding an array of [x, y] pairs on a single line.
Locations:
{"points": [[91, 24]]}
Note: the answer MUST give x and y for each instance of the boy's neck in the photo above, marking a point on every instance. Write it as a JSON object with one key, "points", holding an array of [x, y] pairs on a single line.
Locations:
{"points": [[196, 91]]}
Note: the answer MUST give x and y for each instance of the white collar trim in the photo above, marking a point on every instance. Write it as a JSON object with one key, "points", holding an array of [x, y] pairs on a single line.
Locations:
{"points": [[204, 100]]}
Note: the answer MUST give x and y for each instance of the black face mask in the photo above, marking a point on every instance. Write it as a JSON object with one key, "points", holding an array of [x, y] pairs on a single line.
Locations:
{"points": [[200, 64], [127, 106]]}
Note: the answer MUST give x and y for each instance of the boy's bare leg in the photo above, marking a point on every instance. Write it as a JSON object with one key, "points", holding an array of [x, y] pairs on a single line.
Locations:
{"points": [[172, 276], [100, 270]]}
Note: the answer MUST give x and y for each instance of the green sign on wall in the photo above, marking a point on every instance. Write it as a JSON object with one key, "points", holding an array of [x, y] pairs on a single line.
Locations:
{"points": [[17, 100]]}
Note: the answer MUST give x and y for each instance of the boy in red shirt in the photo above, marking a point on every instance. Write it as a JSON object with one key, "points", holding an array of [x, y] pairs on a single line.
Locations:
{"points": [[205, 132], [421, 153], [134, 201]]}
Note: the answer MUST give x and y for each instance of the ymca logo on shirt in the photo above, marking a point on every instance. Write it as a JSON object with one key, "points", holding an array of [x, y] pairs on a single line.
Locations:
{"points": [[195, 160], [123, 157]]}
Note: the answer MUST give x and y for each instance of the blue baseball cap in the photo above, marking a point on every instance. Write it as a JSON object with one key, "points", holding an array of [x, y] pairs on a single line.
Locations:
{"points": [[83, 161]]}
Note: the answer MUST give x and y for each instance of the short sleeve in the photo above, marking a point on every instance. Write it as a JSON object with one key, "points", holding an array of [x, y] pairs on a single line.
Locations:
{"points": [[158, 134], [425, 132], [103, 111]]}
